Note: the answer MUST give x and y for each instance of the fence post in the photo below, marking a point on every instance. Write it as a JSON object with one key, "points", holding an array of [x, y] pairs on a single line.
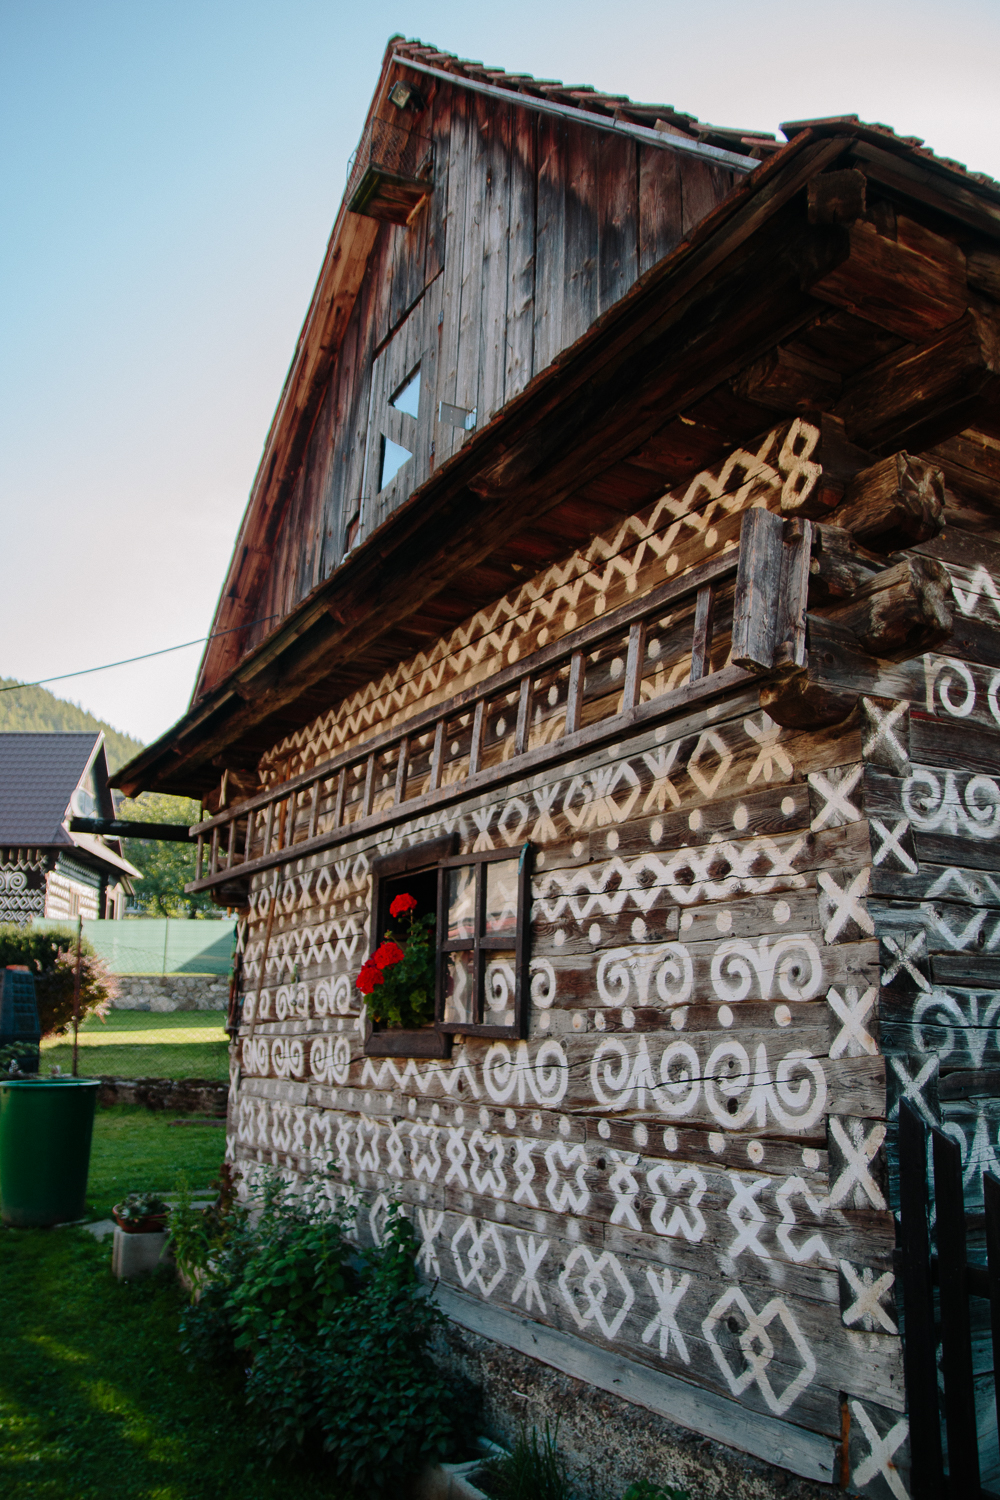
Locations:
{"points": [[166, 938], [956, 1329], [76, 995], [919, 1344]]}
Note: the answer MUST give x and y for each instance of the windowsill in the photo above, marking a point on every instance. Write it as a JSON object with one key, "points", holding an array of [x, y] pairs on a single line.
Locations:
{"points": [[426, 1041]]}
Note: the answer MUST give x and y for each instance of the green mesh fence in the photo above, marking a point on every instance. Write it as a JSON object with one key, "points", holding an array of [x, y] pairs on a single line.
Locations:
{"points": [[169, 1020]]}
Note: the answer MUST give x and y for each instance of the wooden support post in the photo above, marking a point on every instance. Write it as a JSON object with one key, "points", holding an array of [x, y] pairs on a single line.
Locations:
{"points": [[633, 664], [199, 856], [574, 693], [288, 820], [268, 825], [991, 1203], [402, 770], [919, 1346], [476, 747], [248, 842], [213, 859], [793, 596], [758, 580], [701, 643], [522, 730], [956, 1328], [369, 792], [232, 844], [437, 756], [894, 504], [313, 811], [338, 810]]}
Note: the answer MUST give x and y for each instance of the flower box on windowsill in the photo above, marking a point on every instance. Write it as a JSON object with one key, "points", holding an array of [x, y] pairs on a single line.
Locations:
{"points": [[394, 1041]]}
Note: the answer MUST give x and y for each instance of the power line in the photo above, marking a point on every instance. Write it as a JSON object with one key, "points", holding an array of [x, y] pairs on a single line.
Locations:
{"points": [[86, 671]]}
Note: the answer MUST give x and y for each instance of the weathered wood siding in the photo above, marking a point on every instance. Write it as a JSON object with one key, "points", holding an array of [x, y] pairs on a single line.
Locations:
{"points": [[535, 227], [747, 943]]}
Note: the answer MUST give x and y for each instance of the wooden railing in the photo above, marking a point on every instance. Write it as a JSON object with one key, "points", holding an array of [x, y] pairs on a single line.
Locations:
{"points": [[285, 820]]}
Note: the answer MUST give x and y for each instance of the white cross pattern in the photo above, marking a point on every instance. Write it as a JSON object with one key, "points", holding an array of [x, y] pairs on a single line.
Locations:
{"points": [[835, 789], [880, 743], [746, 1215], [664, 1322], [757, 1348], [858, 1148], [891, 846], [853, 1039], [524, 1171], [532, 1256], [430, 1227], [455, 1151], [912, 1086], [862, 1292], [596, 1290], [843, 904], [625, 1188], [902, 954], [877, 1463]]}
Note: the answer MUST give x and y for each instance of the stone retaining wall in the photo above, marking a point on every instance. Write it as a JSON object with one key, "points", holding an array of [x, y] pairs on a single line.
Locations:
{"points": [[194, 1096], [165, 992]]}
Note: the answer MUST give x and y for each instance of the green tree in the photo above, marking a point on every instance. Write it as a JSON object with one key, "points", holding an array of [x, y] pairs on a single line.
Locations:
{"points": [[166, 867]]}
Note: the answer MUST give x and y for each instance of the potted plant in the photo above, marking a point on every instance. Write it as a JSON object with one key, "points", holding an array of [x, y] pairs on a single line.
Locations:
{"points": [[141, 1213], [398, 980]]}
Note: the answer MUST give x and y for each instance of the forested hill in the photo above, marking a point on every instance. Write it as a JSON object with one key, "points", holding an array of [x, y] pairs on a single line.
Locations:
{"points": [[35, 708]]}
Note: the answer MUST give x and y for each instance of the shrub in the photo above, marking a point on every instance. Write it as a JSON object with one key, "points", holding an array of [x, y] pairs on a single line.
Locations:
{"points": [[51, 957], [334, 1344]]}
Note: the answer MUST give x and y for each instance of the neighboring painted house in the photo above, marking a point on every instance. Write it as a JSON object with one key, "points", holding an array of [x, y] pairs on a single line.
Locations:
{"points": [[621, 580], [45, 870]]}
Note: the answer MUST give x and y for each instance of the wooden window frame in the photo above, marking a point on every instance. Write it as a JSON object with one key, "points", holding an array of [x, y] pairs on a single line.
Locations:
{"points": [[388, 1041], [440, 854], [483, 942]]}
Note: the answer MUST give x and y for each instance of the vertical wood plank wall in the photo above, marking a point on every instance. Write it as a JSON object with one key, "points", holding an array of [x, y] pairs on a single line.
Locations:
{"points": [[535, 227]]}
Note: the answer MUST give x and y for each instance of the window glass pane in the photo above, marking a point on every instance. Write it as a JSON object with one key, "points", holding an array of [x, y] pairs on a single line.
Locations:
{"points": [[461, 902], [498, 1008], [458, 987], [501, 896]]}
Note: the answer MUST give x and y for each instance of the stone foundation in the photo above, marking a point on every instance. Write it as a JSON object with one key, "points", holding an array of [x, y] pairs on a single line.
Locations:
{"points": [[608, 1442], [193, 1096], [165, 992]]}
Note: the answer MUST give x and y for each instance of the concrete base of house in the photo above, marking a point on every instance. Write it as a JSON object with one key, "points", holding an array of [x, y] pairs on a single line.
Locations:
{"points": [[134, 1255], [169, 992], [193, 1096], [609, 1442]]}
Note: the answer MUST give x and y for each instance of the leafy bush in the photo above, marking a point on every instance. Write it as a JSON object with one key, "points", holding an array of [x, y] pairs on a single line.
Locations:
{"points": [[334, 1343], [532, 1470], [51, 957]]}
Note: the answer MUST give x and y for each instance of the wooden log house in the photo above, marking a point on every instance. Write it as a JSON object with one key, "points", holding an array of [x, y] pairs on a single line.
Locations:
{"points": [[622, 573]]}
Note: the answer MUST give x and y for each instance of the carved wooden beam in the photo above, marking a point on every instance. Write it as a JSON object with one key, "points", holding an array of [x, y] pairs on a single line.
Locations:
{"points": [[838, 567], [894, 504], [902, 612]]}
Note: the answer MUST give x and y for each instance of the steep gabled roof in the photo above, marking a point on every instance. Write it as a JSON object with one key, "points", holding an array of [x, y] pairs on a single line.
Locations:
{"points": [[351, 243], [38, 775]]}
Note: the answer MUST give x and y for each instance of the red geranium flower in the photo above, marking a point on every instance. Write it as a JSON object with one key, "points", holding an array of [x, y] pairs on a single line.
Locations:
{"points": [[369, 977], [387, 954], [402, 905]]}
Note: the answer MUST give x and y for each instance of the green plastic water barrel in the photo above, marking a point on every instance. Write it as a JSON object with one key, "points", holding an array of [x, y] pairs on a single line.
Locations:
{"points": [[45, 1131]]}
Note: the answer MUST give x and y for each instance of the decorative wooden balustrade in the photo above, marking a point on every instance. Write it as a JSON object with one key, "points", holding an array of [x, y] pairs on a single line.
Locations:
{"points": [[739, 596]]}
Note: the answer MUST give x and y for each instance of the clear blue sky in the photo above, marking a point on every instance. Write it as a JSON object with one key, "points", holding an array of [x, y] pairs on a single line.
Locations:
{"points": [[170, 174]]}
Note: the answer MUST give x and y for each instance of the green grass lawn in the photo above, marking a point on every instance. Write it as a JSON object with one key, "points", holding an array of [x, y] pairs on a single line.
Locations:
{"points": [[146, 1044], [95, 1397], [136, 1150]]}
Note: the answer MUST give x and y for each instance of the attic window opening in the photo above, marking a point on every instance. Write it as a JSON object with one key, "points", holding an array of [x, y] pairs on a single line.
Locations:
{"points": [[407, 397], [393, 457]]}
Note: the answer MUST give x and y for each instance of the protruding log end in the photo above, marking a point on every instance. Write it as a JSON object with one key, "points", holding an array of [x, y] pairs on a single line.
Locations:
{"points": [[797, 701], [894, 504], [903, 612]]}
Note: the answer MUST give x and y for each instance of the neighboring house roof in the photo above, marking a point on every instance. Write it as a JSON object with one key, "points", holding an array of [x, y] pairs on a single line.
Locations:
{"points": [[38, 775]]}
